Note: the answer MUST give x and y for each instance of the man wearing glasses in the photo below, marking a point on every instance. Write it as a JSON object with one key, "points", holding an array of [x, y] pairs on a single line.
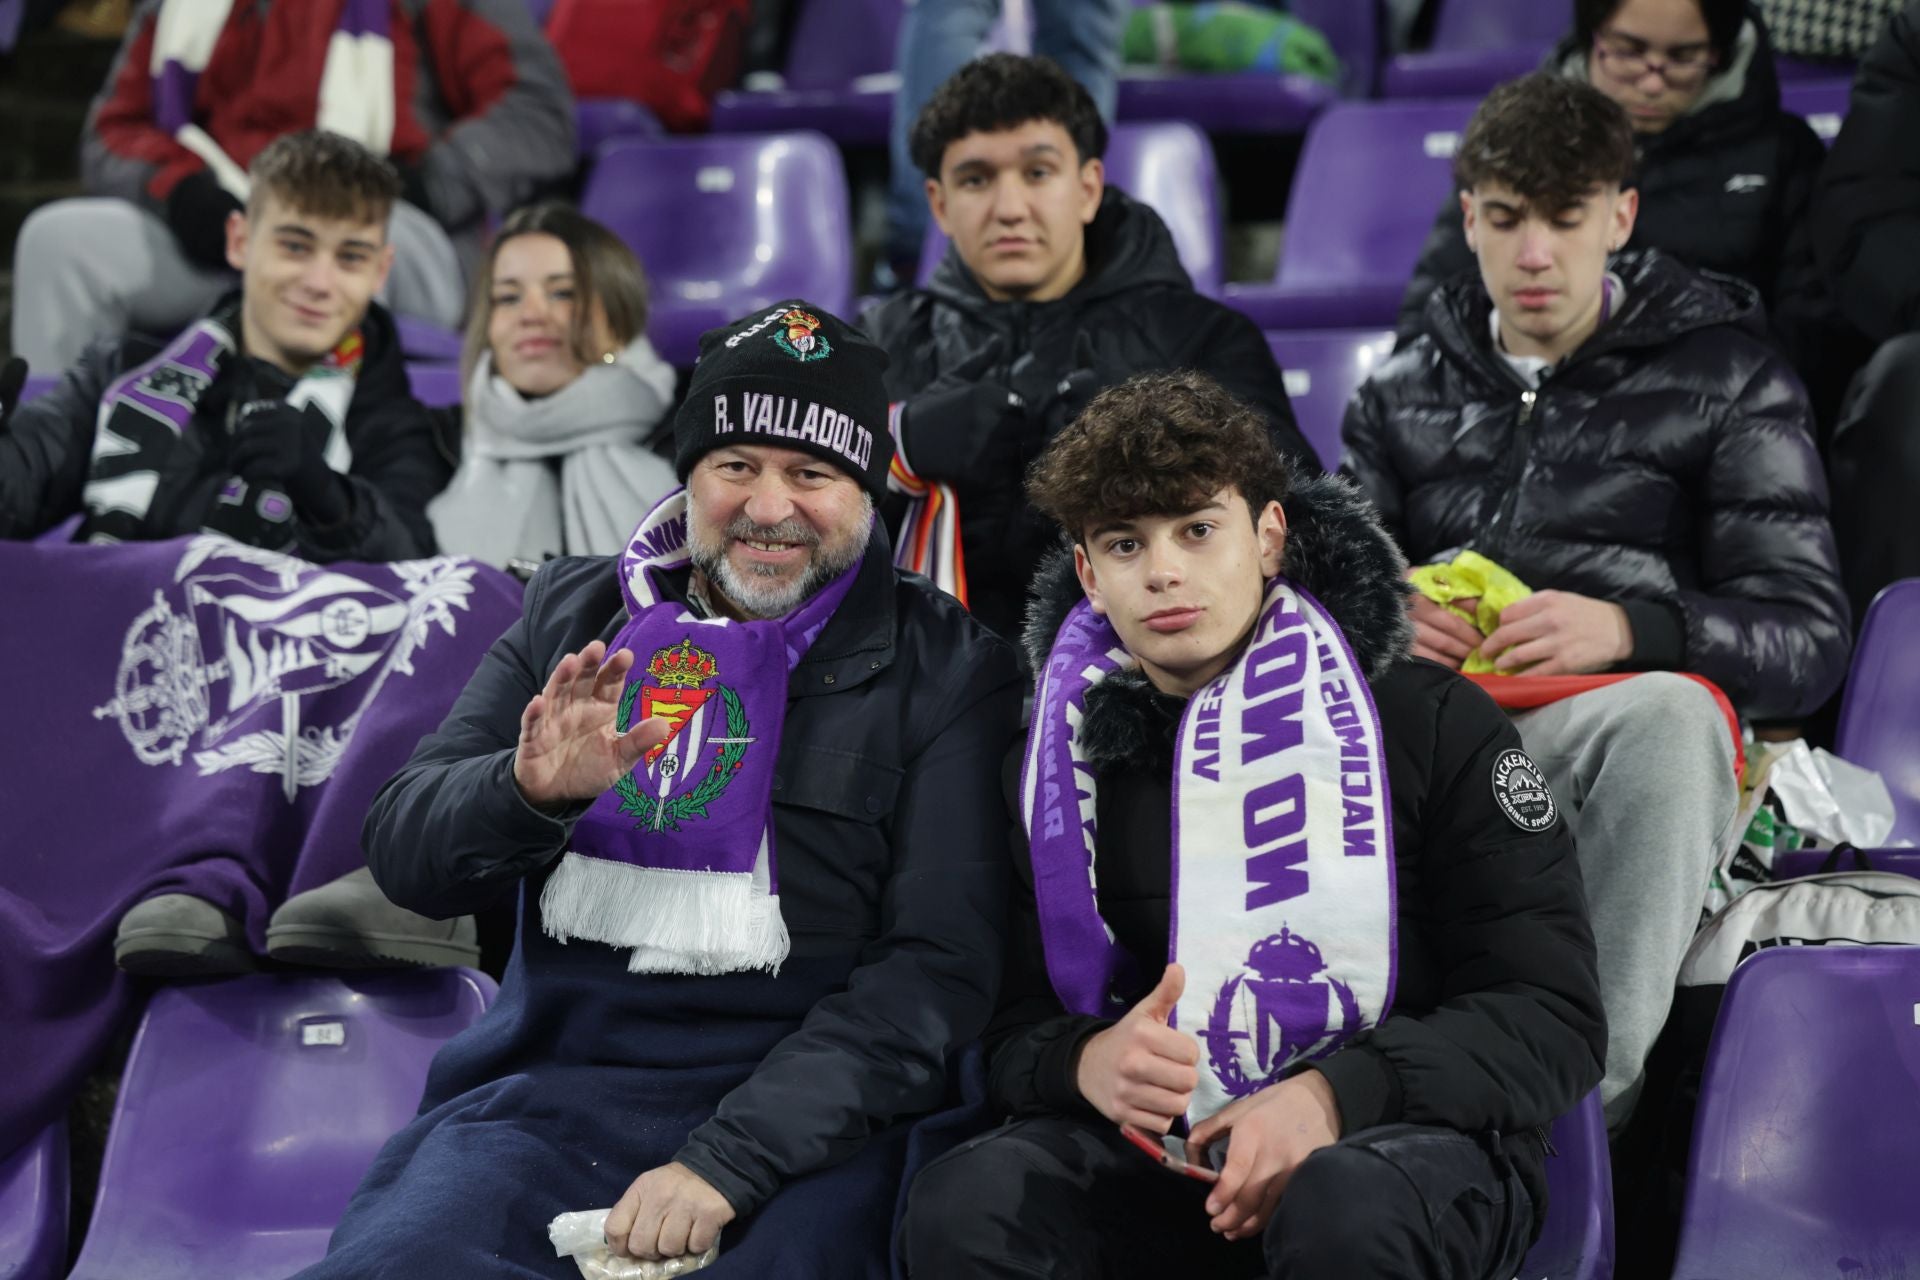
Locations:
{"points": [[1725, 177]]}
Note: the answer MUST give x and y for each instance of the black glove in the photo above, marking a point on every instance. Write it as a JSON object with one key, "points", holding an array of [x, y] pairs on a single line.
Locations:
{"points": [[964, 427], [277, 446], [197, 210], [1076, 390]]}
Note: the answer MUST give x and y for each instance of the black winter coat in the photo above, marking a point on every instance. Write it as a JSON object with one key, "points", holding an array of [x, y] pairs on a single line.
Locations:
{"points": [[1496, 1023], [1135, 312], [1866, 216], [891, 847], [1668, 465], [47, 448], [1729, 189]]}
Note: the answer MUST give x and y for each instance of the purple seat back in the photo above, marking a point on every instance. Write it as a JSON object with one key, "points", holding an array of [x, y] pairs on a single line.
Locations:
{"points": [[726, 224], [12, 14], [435, 385], [1257, 102], [33, 1208], [38, 384], [835, 42], [425, 340], [1168, 166], [1803, 1156], [597, 121], [1577, 1241], [1370, 179], [1822, 103], [1322, 371], [251, 1108], [1794, 863], [1476, 45], [1880, 713]]}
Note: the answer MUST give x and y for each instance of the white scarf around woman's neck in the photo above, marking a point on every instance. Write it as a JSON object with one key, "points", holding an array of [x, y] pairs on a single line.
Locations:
{"points": [[564, 474]]}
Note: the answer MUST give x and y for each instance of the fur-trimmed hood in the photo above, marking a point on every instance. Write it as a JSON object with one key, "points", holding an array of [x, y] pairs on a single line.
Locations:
{"points": [[1336, 549]]}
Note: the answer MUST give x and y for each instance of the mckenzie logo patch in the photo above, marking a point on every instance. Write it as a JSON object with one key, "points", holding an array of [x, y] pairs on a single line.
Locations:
{"points": [[798, 334], [1521, 791]]}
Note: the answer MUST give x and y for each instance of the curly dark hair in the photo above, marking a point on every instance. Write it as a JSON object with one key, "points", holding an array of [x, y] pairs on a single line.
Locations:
{"points": [[1158, 444], [1550, 139], [324, 175], [1004, 91], [1724, 18]]}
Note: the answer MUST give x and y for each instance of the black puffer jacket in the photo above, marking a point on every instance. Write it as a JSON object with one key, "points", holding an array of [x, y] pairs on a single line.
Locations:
{"points": [[1727, 188], [47, 448], [1496, 1022], [1866, 216], [1668, 464], [1136, 311]]}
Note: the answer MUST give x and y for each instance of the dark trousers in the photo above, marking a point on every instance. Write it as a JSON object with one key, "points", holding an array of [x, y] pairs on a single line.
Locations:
{"points": [[1066, 1199], [1874, 464]]}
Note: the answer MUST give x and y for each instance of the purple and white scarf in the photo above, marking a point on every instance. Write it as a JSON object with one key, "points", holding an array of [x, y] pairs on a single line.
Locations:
{"points": [[146, 410], [356, 83], [676, 861], [1282, 843]]}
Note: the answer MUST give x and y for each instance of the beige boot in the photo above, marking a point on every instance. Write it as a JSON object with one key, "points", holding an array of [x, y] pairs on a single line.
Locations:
{"points": [[350, 924], [177, 935]]}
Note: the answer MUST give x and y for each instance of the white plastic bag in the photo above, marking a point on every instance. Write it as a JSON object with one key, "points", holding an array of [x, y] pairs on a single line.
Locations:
{"points": [[582, 1236], [1824, 795]]}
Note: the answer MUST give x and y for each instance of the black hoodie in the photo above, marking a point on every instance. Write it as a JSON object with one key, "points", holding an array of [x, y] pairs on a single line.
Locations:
{"points": [[1668, 465], [1134, 312], [1496, 1024], [1728, 188]]}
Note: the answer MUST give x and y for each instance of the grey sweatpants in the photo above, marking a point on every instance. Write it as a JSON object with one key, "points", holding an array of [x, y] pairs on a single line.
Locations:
{"points": [[1643, 771], [94, 266]]}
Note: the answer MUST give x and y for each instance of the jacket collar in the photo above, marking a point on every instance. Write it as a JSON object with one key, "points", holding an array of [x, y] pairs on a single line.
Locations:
{"points": [[1663, 301], [1128, 247], [1336, 549]]}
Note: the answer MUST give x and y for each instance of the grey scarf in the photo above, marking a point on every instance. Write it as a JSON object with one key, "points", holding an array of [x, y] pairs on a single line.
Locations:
{"points": [[566, 474]]}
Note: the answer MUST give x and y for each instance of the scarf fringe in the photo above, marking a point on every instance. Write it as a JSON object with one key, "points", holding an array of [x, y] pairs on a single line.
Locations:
{"points": [[690, 922]]}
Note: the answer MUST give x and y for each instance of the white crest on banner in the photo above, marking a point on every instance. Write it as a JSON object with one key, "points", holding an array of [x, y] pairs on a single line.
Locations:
{"points": [[257, 631]]}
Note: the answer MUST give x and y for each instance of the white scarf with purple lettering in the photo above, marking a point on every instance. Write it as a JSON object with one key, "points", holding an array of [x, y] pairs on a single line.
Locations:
{"points": [[1282, 848]]}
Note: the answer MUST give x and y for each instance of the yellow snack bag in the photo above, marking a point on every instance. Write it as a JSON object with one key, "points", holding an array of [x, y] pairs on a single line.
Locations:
{"points": [[1471, 576]]}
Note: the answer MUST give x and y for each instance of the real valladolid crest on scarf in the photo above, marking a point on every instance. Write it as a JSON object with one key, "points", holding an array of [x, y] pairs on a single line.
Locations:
{"points": [[677, 860], [1282, 847]]}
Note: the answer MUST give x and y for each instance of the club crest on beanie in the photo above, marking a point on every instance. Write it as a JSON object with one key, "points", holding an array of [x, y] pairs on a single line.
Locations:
{"points": [[793, 376]]}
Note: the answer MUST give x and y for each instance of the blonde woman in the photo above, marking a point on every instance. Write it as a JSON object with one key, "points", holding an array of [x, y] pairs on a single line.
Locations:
{"points": [[563, 391]]}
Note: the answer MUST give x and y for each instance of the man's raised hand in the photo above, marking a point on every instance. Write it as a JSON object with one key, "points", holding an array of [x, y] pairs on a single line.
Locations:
{"points": [[1140, 1071], [569, 749]]}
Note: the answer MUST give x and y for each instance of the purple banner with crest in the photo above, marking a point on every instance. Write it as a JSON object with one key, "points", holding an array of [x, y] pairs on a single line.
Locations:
{"points": [[195, 716]]}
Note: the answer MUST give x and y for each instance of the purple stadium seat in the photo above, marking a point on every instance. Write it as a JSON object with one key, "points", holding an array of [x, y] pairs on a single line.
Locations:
{"points": [[1258, 102], [1812, 862], [249, 1111], [1880, 713], [1803, 1161], [840, 77], [1322, 370], [425, 340], [38, 384], [1169, 166], [1477, 44], [12, 13], [724, 224], [1370, 178], [1823, 103], [600, 120], [33, 1208], [1577, 1241], [435, 385]]}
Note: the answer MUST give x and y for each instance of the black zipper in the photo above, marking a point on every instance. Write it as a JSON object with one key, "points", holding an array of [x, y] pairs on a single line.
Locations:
{"points": [[1518, 454]]}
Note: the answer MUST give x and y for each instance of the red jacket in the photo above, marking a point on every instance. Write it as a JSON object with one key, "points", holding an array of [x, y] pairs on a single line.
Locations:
{"points": [[481, 104]]}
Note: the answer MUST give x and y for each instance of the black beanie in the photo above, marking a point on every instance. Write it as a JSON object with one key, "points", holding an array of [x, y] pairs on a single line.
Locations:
{"points": [[793, 376]]}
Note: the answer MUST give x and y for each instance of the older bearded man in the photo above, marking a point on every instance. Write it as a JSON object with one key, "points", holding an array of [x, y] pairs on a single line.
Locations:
{"points": [[745, 780]]}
